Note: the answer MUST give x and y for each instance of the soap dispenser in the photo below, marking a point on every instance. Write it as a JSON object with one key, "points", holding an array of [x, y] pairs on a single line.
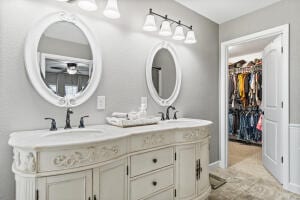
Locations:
{"points": [[143, 111]]}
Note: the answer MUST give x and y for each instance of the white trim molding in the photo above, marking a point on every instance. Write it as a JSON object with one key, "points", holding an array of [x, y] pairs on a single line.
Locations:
{"points": [[294, 162], [214, 165], [33, 68], [152, 90], [223, 101]]}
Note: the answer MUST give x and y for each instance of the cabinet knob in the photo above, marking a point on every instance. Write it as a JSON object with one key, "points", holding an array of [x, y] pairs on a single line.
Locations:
{"points": [[154, 160], [154, 183]]}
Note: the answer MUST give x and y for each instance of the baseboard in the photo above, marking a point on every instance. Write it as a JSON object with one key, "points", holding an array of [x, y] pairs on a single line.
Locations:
{"points": [[214, 165], [292, 188], [293, 184]]}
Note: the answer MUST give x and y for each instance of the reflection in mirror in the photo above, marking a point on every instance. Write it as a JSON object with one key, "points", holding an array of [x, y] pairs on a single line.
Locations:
{"points": [[164, 73], [65, 59]]}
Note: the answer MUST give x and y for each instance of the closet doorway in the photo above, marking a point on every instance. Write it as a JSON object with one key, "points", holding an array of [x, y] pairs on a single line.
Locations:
{"points": [[254, 105]]}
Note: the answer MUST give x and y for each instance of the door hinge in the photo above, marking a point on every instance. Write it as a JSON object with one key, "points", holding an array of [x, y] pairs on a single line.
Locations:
{"points": [[281, 49], [175, 156], [37, 194], [175, 192], [127, 170], [282, 104], [282, 159]]}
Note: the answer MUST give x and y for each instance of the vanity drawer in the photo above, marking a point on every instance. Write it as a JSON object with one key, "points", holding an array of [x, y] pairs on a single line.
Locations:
{"points": [[165, 195], [146, 162], [146, 185]]}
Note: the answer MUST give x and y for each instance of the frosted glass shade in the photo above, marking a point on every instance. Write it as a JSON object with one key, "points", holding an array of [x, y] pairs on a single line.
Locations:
{"points": [[88, 5], [150, 24], [165, 29], [62, 0], [112, 10], [190, 37], [178, 34]]}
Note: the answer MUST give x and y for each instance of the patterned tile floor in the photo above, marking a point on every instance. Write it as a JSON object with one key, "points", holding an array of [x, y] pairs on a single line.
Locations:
{"points": [[249, 180]]}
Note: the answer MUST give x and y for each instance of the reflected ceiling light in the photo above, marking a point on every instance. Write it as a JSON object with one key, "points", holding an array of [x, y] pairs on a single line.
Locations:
{"points": [[112, 10], [72, 68], [179, 34], [190, 37], [165, 28], [88, 5], [150, 24]]}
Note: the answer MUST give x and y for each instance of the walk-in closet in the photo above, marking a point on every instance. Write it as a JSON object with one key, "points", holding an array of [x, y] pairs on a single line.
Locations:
{"points": [[245, 98]]}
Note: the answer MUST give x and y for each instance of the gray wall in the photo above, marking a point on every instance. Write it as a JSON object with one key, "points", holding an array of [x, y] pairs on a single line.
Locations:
{"points": [[124, 50], [284, 12]]}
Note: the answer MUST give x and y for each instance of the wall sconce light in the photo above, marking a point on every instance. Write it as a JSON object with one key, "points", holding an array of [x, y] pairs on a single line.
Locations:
{"points": [[166, 29], [112, 10], [88, 5], [150, 24]]}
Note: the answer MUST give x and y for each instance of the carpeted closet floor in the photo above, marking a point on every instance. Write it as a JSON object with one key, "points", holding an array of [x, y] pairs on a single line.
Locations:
{"points": [[247, 179]]}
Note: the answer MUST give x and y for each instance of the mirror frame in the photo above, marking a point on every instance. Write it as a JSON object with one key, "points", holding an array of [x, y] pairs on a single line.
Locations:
{"points": [[152, 90], [33, 67]]}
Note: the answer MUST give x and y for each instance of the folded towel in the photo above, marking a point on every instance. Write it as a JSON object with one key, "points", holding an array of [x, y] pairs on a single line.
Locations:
{"points": [[120, 115], [122, 122]]}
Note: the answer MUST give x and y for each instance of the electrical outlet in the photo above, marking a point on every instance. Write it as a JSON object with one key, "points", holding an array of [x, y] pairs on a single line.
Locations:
{"points": [[144, 101], [101, 102]]}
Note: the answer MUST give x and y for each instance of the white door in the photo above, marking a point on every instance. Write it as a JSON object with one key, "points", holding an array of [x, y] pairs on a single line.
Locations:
{"points": [[110, 181], [186, 172], [272, 106], [73, 186]]}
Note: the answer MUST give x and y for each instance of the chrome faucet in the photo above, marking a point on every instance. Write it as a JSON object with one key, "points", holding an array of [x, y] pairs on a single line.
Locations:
{"points": [[168, 112], [68, 121]]}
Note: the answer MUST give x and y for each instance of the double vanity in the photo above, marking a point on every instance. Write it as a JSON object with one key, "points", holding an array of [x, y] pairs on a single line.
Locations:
{"points": [[166, 161]]}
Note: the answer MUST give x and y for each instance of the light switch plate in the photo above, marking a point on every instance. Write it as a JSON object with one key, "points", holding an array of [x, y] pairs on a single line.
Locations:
{"points": [[101, 102], [144, 101]]}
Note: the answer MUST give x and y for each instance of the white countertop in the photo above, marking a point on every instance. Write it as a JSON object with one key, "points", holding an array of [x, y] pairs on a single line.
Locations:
{"points": [[92, 134]]}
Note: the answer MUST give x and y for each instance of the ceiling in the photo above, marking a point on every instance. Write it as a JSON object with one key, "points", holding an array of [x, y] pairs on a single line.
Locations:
{"points": [[221, 11], [250, 47]]}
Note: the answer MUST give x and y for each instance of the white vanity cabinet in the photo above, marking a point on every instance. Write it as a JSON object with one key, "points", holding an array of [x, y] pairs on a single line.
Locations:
{"points": [[158, 162], [110, 181], [72, 186]]}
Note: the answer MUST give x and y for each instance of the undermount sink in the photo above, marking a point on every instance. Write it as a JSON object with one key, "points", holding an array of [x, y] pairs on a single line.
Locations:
{"points": [[174, 121], [78, 133]]}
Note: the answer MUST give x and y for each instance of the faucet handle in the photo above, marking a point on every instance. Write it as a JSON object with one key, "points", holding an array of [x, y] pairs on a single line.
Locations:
{"points": [[175, 114], [53, 124], [81, 122], [162, 116]]}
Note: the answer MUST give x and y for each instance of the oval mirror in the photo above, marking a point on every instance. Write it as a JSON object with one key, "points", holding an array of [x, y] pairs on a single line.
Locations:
{"points": [[163, 74], [64, 65]]}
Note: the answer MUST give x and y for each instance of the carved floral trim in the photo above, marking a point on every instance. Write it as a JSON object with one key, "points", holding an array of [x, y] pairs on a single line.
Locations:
{"points": [[86, 156], [25, 161], [152, 140], [195, 134]]}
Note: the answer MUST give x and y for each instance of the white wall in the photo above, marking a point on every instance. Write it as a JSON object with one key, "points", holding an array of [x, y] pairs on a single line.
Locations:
{"points": [[124, 50]]}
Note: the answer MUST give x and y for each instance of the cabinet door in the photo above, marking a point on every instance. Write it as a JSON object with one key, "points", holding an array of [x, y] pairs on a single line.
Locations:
{"points": [[110, 181], [73, 186], [203, 159], [186, 172]]}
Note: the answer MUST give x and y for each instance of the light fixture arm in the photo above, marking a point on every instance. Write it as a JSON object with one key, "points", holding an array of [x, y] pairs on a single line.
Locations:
{"points": [[169, 19]]}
